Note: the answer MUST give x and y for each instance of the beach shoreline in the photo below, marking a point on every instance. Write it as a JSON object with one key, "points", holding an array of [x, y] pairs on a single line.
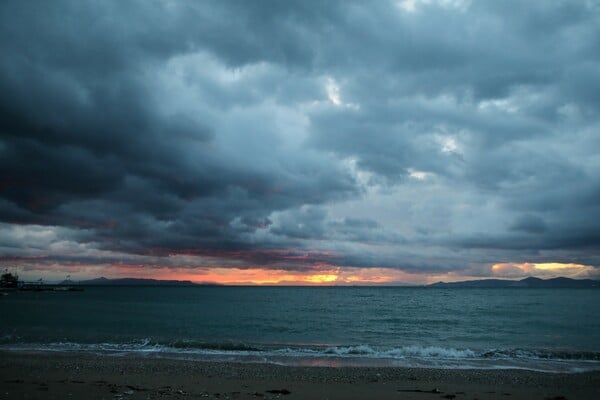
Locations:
{"points": [[49, 375]]}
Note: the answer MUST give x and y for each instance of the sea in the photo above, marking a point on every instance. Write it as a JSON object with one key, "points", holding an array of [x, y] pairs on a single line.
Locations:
{"points": [[552, 330]]}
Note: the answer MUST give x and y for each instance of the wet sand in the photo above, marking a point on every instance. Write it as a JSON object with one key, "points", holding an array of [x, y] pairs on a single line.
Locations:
{"points": [[53, 375]]}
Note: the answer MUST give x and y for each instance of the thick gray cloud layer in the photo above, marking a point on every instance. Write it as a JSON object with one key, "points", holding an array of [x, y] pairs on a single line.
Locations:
{"points": [[421, 135]]}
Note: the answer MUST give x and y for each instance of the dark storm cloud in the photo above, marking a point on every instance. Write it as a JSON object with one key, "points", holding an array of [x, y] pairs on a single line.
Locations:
{"points": [[427, 131], [84, 143], [529, 223]]}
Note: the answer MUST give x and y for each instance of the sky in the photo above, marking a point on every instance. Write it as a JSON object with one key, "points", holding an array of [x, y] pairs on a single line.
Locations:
{"points": [[300, 142]]}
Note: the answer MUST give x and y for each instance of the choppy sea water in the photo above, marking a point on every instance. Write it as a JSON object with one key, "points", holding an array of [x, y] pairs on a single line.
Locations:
{"points": [[556, 330]]}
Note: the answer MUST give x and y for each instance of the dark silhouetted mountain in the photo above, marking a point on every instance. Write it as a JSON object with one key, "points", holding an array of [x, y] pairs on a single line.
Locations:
{"points": [[530, 282], [134, 282]]}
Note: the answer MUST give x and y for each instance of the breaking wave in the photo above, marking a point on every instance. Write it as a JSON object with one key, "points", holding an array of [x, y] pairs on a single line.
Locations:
{"points": [[407, 351], [358, 355]]}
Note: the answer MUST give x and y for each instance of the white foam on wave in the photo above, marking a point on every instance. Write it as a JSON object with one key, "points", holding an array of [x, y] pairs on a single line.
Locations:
{"points": [[144, 345], [432, 352], [358, 355], [402, 352]]}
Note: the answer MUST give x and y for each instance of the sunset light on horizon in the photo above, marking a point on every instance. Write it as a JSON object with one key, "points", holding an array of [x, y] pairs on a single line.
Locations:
{"points": [[316, 276]]}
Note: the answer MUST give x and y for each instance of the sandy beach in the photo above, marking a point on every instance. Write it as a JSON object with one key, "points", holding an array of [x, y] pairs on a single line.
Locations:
{"points": [[53, 375]]}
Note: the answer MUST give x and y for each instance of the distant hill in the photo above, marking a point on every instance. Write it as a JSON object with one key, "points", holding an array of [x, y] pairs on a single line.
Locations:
{"points": [[133, 282], [530, 282]]}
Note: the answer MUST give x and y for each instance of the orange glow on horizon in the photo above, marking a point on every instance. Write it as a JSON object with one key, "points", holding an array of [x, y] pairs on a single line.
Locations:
{"points": [[262, 276], [259, 276], [319, 274]]}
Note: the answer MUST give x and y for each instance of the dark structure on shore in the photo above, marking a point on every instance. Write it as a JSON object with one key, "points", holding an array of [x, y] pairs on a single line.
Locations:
{"points": [[8, 280]]}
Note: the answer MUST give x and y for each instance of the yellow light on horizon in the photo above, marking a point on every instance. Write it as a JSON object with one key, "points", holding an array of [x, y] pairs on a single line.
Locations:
{"points": [[554, 266], [321, 278]]}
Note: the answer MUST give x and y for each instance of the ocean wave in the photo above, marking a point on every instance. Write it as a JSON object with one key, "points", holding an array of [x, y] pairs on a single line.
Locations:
{"points": [[401, 352], [225, 346], [542, 355], [142, 345], [415, 356]]}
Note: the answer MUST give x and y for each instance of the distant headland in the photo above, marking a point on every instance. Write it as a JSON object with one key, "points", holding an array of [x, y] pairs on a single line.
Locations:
{"points": [[530, 282], [102, 281]]}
